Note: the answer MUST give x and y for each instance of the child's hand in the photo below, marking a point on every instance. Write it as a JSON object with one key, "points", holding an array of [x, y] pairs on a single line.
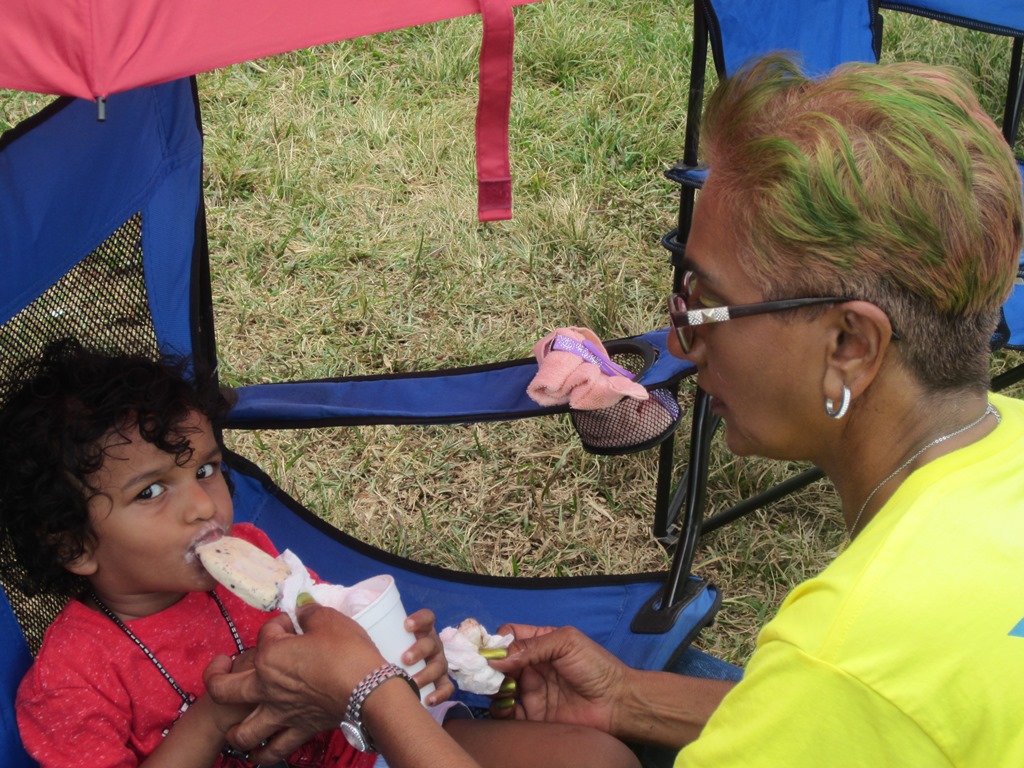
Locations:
{"points": [[226, 716], [243, 661], [429, 648], [202, 730], [198, 736]]}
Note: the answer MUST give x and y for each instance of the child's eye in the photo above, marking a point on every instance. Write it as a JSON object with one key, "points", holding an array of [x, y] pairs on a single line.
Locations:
{"points": [[151, 492], [206, 471]]}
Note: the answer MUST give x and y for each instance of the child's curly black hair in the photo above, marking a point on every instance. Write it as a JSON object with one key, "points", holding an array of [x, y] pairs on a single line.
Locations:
{"points": [[52, 429]]}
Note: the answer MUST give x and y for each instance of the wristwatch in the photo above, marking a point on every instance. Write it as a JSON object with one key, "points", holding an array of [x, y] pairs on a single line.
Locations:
{"points": [[352, 726]]}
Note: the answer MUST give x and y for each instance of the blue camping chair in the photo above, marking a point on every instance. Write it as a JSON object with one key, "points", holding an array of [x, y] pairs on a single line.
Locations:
{"points": [[1002, 18], [103, 234], [821, 34]]}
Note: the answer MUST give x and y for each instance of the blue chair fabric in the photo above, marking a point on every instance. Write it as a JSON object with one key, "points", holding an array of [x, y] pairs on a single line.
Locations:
{"points": [[1002, 18], [103, 237], [819, 35]]}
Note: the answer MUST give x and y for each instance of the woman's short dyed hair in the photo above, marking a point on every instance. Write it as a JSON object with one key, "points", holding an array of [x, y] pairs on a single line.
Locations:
{"points": [[56, 422], [884, 182]]}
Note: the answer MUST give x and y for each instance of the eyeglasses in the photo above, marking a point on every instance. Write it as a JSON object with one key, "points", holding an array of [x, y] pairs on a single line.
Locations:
{"points": [[685, 320]]}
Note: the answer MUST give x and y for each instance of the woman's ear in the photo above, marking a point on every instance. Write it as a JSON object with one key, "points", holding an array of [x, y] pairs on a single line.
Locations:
{"points": [[861, 333]]}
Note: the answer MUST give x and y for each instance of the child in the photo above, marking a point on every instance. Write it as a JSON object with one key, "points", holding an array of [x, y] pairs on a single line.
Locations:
{"points": [[115, 474]]}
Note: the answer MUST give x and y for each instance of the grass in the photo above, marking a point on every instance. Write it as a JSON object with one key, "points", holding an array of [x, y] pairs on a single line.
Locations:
{"points": [[341, 202]]}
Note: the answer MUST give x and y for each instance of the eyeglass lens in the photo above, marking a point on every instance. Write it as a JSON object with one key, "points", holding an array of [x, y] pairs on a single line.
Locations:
{"points": [[677, 308]]}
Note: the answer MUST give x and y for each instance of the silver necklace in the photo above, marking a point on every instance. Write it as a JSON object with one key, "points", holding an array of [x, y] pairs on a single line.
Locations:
{"points": [[989, 410]]}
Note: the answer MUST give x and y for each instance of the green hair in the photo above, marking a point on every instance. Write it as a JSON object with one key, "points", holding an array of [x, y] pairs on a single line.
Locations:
{"points": [[884, 182]]}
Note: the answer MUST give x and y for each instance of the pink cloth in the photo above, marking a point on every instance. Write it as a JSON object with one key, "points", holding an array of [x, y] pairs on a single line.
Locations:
{"points": [[567, 377]]}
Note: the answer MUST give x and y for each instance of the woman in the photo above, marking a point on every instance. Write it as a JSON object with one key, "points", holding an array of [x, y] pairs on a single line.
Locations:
{"points": [[886, 201]]}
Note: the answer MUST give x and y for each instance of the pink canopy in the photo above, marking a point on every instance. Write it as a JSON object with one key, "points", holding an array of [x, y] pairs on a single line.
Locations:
{"points": [[93, 48]]}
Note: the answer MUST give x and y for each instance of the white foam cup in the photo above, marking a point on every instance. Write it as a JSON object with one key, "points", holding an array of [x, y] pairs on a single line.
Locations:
{"points": [[384, 621]]}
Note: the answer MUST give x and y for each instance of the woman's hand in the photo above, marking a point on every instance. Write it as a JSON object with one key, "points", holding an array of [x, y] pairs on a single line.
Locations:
{"points": [[562, 676], [429, 648], [300, 684]]}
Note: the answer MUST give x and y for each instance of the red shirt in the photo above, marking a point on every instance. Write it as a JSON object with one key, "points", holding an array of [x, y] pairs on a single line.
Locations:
{"points": [[93, 698]]}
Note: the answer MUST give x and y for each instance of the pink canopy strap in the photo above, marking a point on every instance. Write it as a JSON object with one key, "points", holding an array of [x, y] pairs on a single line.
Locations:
{"points": [[91, 48], [94, 48], [494, 176]]}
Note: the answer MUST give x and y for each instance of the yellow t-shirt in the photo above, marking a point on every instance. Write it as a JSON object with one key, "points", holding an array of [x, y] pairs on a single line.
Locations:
{"points": [[908, 650]]}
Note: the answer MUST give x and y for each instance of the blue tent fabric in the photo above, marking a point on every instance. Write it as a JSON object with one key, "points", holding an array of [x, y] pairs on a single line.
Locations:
{"points": [[150, 142], [1013, 313], [15, 659]]}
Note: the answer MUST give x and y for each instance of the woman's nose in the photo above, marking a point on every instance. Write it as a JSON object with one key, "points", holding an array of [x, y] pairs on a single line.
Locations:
{"points": [[695, 355]]}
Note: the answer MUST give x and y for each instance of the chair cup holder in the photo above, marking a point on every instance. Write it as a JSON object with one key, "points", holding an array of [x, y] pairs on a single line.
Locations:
{"points": [[630, 425]]}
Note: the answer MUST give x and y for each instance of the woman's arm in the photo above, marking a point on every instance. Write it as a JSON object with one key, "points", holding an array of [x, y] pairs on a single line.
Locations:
{"points": [[667, 709], [301, 685], [404, 732], [563, 676]]}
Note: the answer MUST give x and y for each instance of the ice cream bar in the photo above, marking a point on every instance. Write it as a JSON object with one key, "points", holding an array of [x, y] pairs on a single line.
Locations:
{"points": [[246, 570]]}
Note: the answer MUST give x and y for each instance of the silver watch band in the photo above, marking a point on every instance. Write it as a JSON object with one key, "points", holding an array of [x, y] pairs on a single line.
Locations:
{"points": [[352, 725]]}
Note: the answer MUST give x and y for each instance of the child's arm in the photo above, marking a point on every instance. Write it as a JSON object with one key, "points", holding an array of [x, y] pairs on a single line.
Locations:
{"points": [[429, 648], [198, 736]]}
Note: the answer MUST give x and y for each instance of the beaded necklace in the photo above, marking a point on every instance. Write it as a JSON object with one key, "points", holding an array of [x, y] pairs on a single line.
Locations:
{"points": [[186, 698]]}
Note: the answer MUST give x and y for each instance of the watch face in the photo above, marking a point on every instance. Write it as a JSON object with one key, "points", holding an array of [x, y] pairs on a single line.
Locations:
{"points": [[354, 735]]}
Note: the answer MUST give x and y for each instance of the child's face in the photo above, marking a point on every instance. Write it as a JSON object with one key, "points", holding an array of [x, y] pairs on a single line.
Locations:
{"points": [[149, 517]]}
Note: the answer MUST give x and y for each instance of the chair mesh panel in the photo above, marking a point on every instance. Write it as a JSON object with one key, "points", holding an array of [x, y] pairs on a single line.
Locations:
{"points": [[34, 612], [629, 425], [102, 302]]}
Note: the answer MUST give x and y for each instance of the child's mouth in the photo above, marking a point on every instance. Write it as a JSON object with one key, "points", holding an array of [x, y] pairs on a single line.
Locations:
{"points": [[211, 533]]}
